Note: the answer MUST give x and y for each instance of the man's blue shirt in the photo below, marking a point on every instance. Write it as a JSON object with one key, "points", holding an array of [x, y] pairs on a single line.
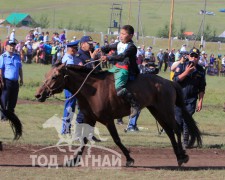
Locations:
{"points": [[69, 59], [10, 66]]}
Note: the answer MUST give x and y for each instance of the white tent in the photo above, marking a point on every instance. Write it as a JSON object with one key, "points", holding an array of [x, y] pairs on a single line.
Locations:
{"points": [[222, 35]]}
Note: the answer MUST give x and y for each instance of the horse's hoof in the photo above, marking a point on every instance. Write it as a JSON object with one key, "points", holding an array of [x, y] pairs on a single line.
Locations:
{"points": [[72, 163], [130, 162], [185, 159]]}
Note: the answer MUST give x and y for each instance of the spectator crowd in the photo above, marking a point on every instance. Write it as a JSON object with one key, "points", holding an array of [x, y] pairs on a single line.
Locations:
{"points": [[43, 48]]}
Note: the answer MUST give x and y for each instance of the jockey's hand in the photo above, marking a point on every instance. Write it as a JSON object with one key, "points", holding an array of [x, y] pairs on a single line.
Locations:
{"points": [[94, 54], [104, 58]]}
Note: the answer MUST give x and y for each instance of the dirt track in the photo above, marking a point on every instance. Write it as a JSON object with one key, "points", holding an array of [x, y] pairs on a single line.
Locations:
{"points": [[145, 158]]}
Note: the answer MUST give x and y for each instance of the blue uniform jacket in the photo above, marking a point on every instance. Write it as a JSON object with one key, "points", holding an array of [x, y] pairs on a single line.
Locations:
{"points": [[193, 83], [85, 57]]}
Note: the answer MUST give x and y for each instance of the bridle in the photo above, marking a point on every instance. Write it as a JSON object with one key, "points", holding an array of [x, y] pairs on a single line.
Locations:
{"points": [[57, 88], [63, 82]]}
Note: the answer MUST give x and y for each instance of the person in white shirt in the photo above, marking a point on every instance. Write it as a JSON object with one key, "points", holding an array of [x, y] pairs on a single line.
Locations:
{"points": [[148, 53], [203, 60], [139, 51], [143, 50], [36, 32], [183, 48], [223, 61], [12, 36], [46, 37], [117, 39], [177, 54]]}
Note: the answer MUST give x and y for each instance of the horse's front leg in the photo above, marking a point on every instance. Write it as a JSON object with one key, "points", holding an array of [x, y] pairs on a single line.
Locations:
{"points": [[78, 154], [113, 131]]}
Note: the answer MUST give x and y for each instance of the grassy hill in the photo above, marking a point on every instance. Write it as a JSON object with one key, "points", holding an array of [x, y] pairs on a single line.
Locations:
{"points": [[96, 14]]}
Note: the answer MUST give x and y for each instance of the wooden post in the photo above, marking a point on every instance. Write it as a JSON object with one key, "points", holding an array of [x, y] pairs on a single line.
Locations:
{"points": [[171, 24], [129, 12], [138, 20]]}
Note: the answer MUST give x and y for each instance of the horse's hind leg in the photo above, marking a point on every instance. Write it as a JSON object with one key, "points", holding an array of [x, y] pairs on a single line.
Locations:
{"points": [[181, 155], [168, 123], [183, 158], [113, 131]]}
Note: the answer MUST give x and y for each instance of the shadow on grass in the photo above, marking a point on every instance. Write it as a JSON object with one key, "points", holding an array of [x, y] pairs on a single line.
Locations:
{"points": [[183, 168], [169, 168], [216, 146], [210, 134]]}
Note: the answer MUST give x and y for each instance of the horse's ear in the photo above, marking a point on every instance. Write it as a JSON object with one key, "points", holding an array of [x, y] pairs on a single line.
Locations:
{"points": [[57, 64], [62, 67]]}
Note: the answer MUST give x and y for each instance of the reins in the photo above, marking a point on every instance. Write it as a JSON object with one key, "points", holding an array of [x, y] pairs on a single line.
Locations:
{"points": [[82, 82]]}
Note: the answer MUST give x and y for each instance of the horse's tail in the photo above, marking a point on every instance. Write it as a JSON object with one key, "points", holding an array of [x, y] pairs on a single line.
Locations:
{"points": [[14, 122], [191, 123]]}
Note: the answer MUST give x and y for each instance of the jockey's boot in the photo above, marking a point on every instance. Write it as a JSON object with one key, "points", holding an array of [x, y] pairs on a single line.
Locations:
{"points": [[129, 97]]}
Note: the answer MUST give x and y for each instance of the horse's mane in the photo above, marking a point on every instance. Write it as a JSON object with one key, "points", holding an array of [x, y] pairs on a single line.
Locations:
{"points": [[100, 74], [57, 64]]}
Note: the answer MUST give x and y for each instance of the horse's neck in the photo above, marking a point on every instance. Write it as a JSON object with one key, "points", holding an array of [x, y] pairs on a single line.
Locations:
{"points": [[78, 81]]}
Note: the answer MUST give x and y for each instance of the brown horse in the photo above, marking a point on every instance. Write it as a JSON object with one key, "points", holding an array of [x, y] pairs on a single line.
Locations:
{"points": [[98, 102]]}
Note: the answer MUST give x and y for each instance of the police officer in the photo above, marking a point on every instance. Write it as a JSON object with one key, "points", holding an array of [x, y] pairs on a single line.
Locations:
{"points": [[191, 77], [10, 72], [86, 55], [83, 56], [70, 102]]}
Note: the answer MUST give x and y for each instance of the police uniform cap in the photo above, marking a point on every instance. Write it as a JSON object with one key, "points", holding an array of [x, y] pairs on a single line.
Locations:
{"points": [[73, 44], [11, 43], [194, 51], [87, 39]]}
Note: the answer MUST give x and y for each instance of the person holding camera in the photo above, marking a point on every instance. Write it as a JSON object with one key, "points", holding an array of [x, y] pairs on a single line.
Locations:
{"points": [[191, 77], [183, 57]]}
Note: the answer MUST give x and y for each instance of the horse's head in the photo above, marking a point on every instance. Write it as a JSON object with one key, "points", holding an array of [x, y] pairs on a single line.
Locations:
{"points": [[54, 83]]}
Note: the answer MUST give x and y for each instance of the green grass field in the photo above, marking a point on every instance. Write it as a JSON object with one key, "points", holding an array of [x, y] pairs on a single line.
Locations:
{"points": [[33, 115], [154, 13]]}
